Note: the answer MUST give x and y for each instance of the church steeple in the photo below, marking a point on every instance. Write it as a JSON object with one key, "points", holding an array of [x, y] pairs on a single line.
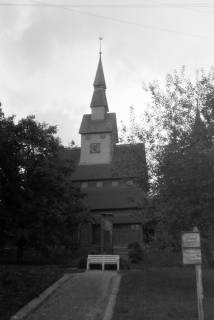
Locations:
{"points": [[99, 95], [99, 129]]}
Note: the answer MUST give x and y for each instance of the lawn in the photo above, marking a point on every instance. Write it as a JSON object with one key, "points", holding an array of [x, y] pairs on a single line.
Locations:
{"points": [[20, 284], [163, 294]]}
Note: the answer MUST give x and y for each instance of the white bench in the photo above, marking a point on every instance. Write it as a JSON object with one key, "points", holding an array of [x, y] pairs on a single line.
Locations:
{"points": [[103, 259]]}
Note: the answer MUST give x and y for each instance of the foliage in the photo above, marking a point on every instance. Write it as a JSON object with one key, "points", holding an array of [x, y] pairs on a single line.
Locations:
{"points": [[186, 184], [170, 114], [178, 131], [135, 252], [82, 263], [39, 204]]}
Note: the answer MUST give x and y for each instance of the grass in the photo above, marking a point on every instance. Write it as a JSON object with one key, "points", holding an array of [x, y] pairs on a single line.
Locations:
{"points": [[20, 284], [163, 294]]}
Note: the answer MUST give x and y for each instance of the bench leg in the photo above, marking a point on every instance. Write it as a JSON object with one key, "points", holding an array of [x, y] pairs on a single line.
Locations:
{"points": [[103, 266], [87, 268]]}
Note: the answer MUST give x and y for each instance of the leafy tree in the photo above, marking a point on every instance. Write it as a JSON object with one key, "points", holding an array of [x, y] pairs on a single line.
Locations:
{"points": [[40, 204], [8, 171], [170, 114], [185, 166], [185, 183], [178, 133]]}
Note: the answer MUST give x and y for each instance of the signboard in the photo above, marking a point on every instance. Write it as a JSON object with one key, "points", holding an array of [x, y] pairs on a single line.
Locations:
{"points": [[191, 247], [191, 240], [192, 256]]}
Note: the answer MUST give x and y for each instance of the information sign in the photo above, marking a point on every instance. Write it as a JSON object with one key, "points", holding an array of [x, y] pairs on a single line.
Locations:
{"points": [[192, 256], [191, 240], [191, 248]]}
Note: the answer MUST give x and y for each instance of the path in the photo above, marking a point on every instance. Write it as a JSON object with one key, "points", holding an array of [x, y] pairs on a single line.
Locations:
{"points": [[82, 297]]}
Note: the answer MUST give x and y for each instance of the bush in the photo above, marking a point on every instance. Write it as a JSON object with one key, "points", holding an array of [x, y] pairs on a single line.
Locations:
{"points": [[7, 279], [135, 252], [124, 264], [82, 263]]}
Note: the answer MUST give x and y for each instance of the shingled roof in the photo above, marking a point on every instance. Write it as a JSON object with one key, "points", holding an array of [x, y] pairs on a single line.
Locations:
{"points": [[113, 198], [109, 124], [99, 80], [99, 95], [129, 162]]}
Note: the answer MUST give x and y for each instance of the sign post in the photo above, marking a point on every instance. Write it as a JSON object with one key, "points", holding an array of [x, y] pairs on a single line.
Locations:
{"points": [[191, 249], [199, 291]]}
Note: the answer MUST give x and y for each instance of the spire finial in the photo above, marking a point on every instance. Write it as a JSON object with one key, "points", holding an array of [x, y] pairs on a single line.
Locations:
{"points": [[100, 39]]}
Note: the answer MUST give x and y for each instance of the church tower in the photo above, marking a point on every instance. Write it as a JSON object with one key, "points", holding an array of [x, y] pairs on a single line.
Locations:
{"points": [[99, 129], [108, 173]]}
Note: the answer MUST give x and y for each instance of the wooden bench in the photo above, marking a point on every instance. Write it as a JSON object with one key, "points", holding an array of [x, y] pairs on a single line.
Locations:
{"points": [[103, 259]]}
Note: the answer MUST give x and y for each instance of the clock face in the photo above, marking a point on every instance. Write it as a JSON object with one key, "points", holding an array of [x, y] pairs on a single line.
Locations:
{"points": [[95, 148]]}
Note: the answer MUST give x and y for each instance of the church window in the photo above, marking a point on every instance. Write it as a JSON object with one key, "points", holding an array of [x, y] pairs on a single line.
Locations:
{"points": [[99, 184], [95, 148], [84, 185], [115, 183]]}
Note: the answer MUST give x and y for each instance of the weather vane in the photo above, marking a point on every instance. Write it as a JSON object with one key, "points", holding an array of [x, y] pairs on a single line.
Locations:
{"points": [[100, 38]]}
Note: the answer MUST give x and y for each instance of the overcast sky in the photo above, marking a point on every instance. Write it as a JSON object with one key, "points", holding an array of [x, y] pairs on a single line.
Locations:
{"points": [[49, 54]]}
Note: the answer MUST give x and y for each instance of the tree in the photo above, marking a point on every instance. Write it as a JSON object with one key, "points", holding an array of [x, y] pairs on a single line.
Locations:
{"points": [[185, 166], [178, 133], [171, 113], [8, 171], [39, 201], [185, 184]]}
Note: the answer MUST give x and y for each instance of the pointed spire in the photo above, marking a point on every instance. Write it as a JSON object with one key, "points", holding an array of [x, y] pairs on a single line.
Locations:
{"points": [[99, 95], [99, 80]]}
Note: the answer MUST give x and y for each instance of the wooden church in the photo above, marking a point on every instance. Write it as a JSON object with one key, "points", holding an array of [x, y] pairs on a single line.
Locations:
{"points": [[113, 176]]}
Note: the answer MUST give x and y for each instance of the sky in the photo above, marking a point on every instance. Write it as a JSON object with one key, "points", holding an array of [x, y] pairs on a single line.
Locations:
{"points": [[49, 53]]}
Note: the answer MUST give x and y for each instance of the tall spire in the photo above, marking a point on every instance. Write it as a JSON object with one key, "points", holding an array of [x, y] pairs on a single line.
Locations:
{"points": [[99, 80], [99, 95]]}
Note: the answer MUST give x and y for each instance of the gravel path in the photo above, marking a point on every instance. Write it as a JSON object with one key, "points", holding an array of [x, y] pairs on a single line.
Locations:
{"points": [[82, 297]]}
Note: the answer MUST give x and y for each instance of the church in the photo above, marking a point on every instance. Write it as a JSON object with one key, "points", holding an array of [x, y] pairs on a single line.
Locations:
{"points": [[113, 176]]}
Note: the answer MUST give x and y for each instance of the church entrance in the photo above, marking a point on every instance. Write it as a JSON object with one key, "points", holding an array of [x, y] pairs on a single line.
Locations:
{"points": [[124, 234]]}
